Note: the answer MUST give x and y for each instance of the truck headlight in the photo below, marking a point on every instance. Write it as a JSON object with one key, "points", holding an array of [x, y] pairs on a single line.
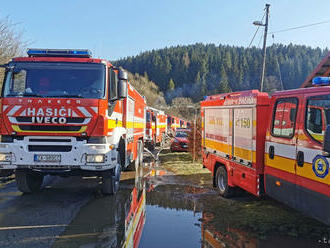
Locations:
{"points": [[5, 157], [95, 158], [97, 147]]}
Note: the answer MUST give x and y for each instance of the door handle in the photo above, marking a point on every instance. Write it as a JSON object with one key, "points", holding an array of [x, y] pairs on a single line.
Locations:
{"points": [[300, 159], [271, 152]]}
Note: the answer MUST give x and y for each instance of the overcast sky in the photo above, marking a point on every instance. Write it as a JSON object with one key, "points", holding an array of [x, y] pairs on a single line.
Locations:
{"points": [[115, 29]]}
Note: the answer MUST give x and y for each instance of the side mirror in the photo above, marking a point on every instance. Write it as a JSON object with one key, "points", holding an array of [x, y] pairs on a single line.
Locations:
{"points": [[122, 84], [326, 140], [122, 75], [113, 86]]}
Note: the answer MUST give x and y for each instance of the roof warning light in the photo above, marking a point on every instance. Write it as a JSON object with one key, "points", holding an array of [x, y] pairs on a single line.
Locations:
{"points": [[321, 81], [82, 53]]}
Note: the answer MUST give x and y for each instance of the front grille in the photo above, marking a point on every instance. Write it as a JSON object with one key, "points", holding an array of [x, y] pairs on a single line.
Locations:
{"points": [[68, 119], [50, 167], [49, 148], [50, 140], [49, 128]]}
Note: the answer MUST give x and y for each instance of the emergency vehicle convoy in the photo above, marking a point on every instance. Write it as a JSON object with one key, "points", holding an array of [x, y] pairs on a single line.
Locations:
{"points": [[63, 112], [174, 122], [156, 127], [278, 145]]}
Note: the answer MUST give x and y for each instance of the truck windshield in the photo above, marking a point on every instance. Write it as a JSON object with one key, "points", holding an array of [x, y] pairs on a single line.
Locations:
{"points": [[71, 80], [317, 116]]}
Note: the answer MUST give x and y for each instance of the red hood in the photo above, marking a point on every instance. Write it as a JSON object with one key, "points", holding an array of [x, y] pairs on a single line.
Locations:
{"points": [[51, 116]]}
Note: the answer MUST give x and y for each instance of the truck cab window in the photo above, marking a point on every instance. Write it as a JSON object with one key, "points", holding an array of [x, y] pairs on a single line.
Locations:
{"points": [[284, 118], [16, 83], [148, 116], [317, 116]]}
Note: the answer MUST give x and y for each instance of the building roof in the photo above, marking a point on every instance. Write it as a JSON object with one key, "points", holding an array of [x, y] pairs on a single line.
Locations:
{"points": [[323, 69]]}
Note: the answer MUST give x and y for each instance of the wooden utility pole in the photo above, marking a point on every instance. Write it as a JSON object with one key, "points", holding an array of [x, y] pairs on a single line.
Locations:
{"points": [[264, 50]]}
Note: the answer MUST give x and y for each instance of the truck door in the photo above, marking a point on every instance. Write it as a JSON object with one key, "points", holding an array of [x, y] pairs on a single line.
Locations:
{"points": [[312, 167], [280, 152]]}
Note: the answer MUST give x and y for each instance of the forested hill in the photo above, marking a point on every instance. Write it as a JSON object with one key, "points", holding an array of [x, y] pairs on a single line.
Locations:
{"points": [[198, 70]]}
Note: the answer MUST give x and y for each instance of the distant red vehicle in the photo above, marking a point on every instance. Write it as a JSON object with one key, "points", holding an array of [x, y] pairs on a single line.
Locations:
{"points": [[180, 141]]}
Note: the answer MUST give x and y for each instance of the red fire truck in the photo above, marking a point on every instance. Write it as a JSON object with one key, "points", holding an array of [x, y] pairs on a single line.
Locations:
{"points": [[156, 127], [63, 112], [173, 123], [277, 145]]}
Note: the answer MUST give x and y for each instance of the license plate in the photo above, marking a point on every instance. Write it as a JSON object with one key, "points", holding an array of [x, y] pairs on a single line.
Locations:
{"points": [[47, 158]]}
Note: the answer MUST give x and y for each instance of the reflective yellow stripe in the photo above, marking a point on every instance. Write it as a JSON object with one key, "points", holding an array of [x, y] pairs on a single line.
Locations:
{"points": [[17, 129], [161, 126], [281, 163], [307, 172], [113, 123], [135, 124], [226, 148], [219, 146], [318, 137], [289, 165], [245, 154]]}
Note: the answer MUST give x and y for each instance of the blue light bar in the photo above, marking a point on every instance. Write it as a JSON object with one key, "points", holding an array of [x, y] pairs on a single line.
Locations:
{"points": [[81, 53], [321, 81]]}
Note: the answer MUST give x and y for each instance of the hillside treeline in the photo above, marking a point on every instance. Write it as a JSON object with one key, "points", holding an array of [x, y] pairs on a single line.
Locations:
{"points": [[148, 89], [198, 70]]}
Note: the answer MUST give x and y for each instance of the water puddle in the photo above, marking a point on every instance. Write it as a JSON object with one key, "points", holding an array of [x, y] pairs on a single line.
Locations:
{"points": [[165, 227]]}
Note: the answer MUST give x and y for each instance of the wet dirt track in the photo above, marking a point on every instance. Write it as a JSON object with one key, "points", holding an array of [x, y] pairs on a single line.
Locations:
{"points": [[163, 205]]}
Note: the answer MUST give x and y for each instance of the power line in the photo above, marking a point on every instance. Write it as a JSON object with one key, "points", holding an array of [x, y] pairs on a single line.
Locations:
{"points": [[254, 36], [278, 66], [256, 30], [303, 26]]}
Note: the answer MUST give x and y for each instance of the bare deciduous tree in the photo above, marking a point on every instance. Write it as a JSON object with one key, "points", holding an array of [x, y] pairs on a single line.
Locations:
{"points": [[11, 42]]}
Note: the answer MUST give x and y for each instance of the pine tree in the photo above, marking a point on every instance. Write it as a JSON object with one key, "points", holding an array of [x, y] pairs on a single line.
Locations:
{"points": [[223, 84], [171, 85]]}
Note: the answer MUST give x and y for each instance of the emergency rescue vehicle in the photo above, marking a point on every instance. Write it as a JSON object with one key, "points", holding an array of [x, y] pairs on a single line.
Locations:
{"points": [[277, 145], [172, 123], [65, 113], [156, 127]]}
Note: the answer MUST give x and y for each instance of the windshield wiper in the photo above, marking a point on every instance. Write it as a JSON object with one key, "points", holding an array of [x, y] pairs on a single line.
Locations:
{"points": [[31, 94], [24, 94], [67, 96], [12, 94]]}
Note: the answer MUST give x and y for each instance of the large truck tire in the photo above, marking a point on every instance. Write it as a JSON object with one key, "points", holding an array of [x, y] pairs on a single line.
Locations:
{"points": [[222, 182], [28, 181], [111, 180]]}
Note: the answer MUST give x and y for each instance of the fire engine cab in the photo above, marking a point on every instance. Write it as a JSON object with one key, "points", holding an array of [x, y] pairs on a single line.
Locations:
{"points": [[63, 112], [156, 127], [278, 145]]}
